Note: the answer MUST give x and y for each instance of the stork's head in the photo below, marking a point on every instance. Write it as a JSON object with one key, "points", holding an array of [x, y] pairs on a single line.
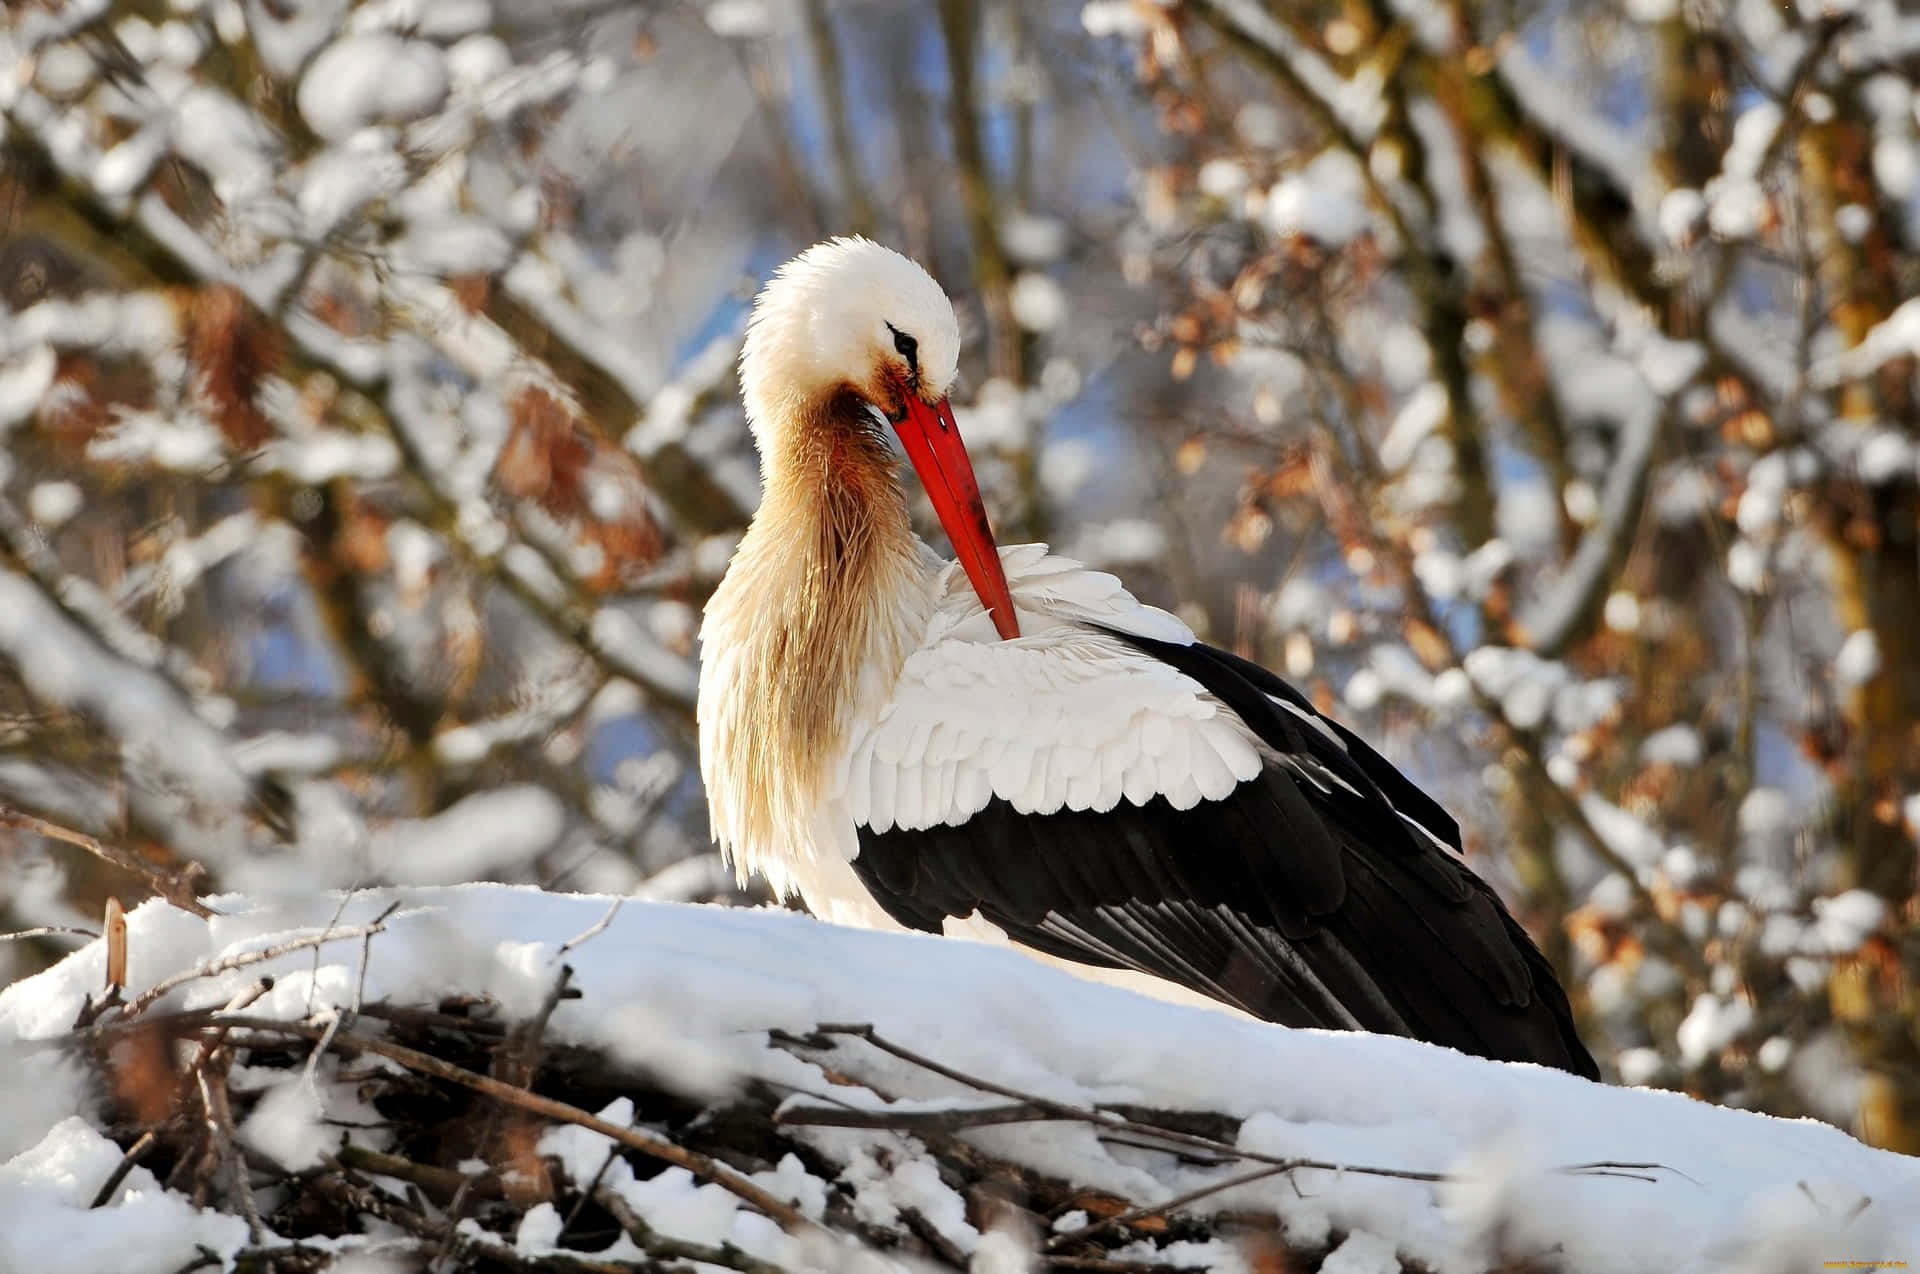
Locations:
{"points": [[850, 319]]}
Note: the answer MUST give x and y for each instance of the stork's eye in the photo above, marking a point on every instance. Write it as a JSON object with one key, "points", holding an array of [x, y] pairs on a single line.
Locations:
{"points": [[909, 348]]}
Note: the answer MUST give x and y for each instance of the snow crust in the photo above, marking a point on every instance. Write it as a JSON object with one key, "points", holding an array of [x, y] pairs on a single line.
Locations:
{"points": [[691, 992], [44, 1193]]}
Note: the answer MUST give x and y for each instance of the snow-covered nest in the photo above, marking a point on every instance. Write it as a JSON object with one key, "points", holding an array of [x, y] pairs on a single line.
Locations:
{"points": [[700, 1031]]}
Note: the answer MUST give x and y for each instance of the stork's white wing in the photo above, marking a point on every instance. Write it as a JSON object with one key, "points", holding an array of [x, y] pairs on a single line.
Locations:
{"points": [[1065, 717]]}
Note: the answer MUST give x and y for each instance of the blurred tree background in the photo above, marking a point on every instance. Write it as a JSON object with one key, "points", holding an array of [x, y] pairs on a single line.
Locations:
{"points": [[1534, 384]]}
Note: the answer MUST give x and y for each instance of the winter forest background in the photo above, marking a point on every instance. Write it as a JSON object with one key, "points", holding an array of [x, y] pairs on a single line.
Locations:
{"points": [[1533, 383]]}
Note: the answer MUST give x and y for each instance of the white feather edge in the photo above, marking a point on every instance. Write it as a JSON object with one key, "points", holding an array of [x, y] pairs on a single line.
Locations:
{"points": [[1063, 717]]}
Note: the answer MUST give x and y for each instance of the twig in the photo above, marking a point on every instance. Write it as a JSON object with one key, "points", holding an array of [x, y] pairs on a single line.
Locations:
{"points": [[929, 1233], [433, 1020], [586, 1194], [116, 934], [441, 1182], [335, 1020], [213, 1097], [594, 930], [464, 1243], [366, 952], [918, 1121], [519, 1061], [175, 887], [153, 993], [865, 1031], [1193, 1158], [1048, 1109], [705, 1167], [313, 978], [1107, 1265], [48, 931], [207, 1257], [1158, 1209], [135, 1153], [1555, 621], [1633, 1171], [665, 1247]]}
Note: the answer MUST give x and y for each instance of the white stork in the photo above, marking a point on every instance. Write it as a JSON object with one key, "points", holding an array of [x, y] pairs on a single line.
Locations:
{"points": [[1014, 739]]}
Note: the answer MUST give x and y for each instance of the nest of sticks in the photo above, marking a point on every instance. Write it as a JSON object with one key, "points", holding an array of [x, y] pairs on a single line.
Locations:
{"points": [[461, 1099], [444, 1164]]}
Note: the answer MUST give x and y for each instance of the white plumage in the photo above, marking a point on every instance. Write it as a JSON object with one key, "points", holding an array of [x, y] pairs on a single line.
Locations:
{"points": [[1065, 716]]}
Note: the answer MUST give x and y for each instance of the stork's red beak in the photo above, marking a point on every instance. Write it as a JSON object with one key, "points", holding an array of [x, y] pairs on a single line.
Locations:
{"points": [[933, 445]]}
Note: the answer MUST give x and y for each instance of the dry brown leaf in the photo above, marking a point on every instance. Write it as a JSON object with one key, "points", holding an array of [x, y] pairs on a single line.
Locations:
{"points": [[235, 350]]}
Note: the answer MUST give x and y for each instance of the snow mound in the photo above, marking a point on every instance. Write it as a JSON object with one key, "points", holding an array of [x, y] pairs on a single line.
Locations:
{"points": [[1535, 1165]]}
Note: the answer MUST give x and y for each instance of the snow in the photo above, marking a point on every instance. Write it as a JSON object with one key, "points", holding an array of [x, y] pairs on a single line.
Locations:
{"points": [[1680, 212], [44, 1196], [723, 977], [165, 744], [226, 139], [1676, 745], [1033, 240], [1747, 566], [1710, 1026], [1852, 221], [1588, 133], [1112, 18], [1621, 611], [126, 167], [286, 1126], [1885, 456], [1736, 204], [1423, 412], [476, 838], [24, 382], [53, 504], [340, 180], [1531, 689], [739, 19], [1221, 178], [1843, 922], [1652, 11], [1627, 835], [1765, 811], [1362, 1253], [1858, 660], [368, 79], [1895, 336], [1121, 542], [1896, 166], [1038, 303], [1325, 200]]}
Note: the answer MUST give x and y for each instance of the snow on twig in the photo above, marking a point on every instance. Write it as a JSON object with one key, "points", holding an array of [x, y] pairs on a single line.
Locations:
{"points": [[1554, 620], [228, 964]]}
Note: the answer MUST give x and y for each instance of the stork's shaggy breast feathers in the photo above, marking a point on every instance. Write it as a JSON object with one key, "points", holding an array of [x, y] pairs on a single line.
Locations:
{"points": [[1013, 742]]}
